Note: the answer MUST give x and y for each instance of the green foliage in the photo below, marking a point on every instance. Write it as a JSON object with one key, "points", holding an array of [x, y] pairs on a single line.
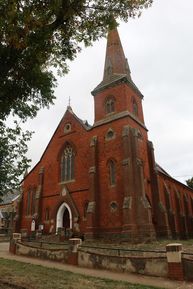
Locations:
{"points": [[13, 147], [34, 36], [189, 183]]}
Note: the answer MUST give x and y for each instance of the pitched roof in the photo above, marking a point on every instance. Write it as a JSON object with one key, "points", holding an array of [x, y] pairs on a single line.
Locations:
{"points": [[160, 169], [9, 197], [83, 123]]}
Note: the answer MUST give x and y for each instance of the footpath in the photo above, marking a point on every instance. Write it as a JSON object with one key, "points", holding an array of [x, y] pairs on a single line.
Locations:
{"points": [[131, 278]]}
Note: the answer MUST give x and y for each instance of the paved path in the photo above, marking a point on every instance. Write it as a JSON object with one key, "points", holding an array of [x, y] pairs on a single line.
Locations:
{"points": [[131, 278]]}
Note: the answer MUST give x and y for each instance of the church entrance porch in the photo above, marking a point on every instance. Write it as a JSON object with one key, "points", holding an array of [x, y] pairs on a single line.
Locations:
{"points": [[64, 221]]}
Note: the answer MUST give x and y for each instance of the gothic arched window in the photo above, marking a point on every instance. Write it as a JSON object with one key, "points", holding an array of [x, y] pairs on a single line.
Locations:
{"points": [[85, 210], [110, 134], [110, 105], [112, 172], [33, 202], [28, 208], [135, 108], [67, 164], [47, 214]]}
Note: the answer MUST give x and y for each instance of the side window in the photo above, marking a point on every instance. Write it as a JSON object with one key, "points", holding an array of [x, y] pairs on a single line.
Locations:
{"points": [[85, 210], [28, 211], [110, 135], [33, 202], [112, 172], [47, 214], [67, 164], [110, 104], [135, 107]]}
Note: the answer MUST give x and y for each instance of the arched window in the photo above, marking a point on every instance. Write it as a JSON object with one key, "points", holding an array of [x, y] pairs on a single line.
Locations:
{"points": [[109, 135], [85, 210], [135, 108], [47, 214], [28, 208], [110, 105], [33, 205], [67, 164], [112, 172]]}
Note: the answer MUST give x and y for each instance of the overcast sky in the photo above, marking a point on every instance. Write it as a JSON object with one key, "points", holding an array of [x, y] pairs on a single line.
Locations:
{"points": [[159, 48]]}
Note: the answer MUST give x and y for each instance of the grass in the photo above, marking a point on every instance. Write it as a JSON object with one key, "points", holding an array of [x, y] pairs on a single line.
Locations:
{"points": [[30, 276]]}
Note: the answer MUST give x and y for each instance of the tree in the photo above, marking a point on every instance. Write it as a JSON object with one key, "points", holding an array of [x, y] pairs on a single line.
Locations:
{"points": [[13, 162], [189, 183], [38, 34]]}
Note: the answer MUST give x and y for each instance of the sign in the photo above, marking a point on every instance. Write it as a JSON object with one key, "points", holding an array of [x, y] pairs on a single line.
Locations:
{"points": [[33, 226]]}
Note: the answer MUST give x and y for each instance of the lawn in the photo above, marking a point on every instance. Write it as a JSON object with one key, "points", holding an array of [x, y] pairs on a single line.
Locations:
{"points": [[18, 275]]}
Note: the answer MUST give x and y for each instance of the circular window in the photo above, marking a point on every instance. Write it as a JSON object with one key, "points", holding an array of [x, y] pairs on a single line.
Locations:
{"points": [[67, 127], [113, 206]]}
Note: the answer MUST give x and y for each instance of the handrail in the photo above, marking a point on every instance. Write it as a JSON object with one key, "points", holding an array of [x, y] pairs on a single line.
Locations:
{"points": [[47, 242]]}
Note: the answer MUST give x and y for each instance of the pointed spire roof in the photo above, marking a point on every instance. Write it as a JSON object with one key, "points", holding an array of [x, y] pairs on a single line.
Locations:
{"points": [[115, 61], [116, 65]]}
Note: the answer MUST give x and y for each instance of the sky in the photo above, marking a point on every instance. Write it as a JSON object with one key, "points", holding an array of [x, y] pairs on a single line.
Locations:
{"points": [[159, 48]]}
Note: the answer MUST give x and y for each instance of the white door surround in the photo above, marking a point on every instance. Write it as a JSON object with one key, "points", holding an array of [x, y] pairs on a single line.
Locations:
{"points": [[59, 216]]}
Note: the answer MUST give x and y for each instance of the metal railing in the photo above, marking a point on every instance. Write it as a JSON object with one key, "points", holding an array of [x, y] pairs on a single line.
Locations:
{"points": [[41, 244], [118, 250]]}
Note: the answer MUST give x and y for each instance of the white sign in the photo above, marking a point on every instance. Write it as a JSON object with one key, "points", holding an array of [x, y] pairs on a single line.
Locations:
{"points": [[33, 226]]}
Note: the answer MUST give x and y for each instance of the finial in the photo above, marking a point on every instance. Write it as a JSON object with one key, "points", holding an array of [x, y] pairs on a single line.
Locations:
{"points": [[69, 101]]}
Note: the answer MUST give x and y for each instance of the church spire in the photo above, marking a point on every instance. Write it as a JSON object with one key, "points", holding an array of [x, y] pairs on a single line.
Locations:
{"points": [[116, 66], [115, 61]]}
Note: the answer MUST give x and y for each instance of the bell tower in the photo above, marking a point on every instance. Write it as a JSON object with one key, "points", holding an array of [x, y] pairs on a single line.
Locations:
{"points": [[118, 104]]}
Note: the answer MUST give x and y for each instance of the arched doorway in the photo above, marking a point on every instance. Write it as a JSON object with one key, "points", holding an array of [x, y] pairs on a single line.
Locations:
{"points": [[64, 217]]}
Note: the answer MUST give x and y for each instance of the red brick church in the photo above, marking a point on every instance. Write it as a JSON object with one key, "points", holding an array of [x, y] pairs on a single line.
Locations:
{"points": [[102, 181]]}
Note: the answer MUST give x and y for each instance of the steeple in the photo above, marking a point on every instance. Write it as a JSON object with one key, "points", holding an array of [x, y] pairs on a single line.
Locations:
{"points": [[116, 93], [115, 63]]}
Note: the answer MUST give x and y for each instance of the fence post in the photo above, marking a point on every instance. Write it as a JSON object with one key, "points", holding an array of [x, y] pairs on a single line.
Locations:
{"points": [[174, 259], [16, 237], [74, 243]]}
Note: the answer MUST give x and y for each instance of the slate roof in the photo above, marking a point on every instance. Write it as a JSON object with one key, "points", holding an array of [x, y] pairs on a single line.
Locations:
{"points": [[161, 170], [115, 79], [9, 197]]}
